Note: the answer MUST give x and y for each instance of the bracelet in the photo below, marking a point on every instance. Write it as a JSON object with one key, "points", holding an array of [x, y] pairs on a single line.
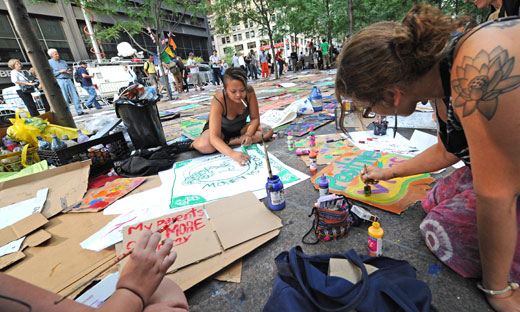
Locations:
{"points": [[511, 286], [135, 293]]}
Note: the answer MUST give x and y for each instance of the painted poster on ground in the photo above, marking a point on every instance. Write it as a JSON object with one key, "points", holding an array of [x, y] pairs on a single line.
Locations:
{"points": [[212, 177], [393, 195]]}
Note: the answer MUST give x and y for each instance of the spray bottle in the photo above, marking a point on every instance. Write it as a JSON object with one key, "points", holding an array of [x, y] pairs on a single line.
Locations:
{"points": [[290, 141], [375, 240], [313, 162]]}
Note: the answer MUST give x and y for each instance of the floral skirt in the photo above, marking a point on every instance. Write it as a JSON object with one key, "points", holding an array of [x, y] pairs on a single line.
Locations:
{"points": [[450, 226]]}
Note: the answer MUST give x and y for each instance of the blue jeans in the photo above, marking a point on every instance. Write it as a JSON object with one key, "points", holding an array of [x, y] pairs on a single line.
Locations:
{"points": [[91, 97], [68, 91]]}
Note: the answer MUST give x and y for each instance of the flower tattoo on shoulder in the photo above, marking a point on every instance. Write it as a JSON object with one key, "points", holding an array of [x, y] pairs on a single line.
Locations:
{"points": [[482, 79]]}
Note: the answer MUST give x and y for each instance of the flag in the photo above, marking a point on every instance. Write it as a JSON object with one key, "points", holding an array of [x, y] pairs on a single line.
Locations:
{"points": [[172, 43], [165, 58], [169, 51]]}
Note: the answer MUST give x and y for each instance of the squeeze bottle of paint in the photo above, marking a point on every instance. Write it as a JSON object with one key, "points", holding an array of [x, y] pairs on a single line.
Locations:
{"points": [[375, 240], [313, 162], [324, 186], [290, 141], [312, 138], [303, 151]]}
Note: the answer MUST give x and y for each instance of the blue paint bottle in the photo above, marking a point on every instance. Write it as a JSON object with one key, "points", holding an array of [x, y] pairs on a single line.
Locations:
{"points": [[275, 193]]}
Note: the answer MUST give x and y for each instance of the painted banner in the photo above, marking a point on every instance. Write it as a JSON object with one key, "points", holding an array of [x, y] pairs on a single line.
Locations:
{"points": [[393, 195], [212, 177]]}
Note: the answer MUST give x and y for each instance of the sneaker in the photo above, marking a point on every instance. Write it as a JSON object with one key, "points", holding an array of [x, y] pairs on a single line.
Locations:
{"points": [[183, 146], [82, 113]]}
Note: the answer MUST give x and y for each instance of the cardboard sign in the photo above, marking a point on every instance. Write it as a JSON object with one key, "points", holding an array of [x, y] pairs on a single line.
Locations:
{"points": [[193, 237], [393, 195], [327, 152]]}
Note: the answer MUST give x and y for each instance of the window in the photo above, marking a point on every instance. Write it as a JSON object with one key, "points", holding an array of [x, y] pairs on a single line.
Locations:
{"points": [[224, 40], [239, 47], [250, 23], [246, 24], [239, 37], [251, 45], [234, 37], [228, 40], [252, 34], [247, 35]]}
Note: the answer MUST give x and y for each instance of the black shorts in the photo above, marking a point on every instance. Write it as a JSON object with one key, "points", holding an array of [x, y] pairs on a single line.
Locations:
{"points": [[228, 135]]}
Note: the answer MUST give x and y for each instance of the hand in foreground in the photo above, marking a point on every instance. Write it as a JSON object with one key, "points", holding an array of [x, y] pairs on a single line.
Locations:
{"points": [[240, 158], [167, 307], [507, 302], [246, 139], [374, 174], [146, 265]]}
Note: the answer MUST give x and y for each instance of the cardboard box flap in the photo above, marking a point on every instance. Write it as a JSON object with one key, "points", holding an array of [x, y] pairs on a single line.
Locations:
{"points": [[36, 239], [9, 259], [240, 218], [68, 182], [21, 228], [192, 235]]}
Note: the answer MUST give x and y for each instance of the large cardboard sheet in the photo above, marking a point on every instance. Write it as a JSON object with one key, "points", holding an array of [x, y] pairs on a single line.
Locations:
{"points": [[67, 185]]}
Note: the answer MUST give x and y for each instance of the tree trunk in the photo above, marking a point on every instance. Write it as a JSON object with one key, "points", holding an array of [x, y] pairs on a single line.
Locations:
{"points": [[456, 7], [20, 18], [275, 67], [351, 17], [329, 28]]}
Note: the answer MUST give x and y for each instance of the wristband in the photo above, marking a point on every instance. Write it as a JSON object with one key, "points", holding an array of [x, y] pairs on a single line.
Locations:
{"points": [[135, 293]]}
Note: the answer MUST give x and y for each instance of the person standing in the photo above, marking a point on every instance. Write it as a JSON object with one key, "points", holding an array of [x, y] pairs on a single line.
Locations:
{"points": [[194, 72], [242, 62], [294, 59], [316, 58], [176, 72], [224, 65], [86, 83], [279, 59], [264, 64], [150, 72], [252, 65], [38, 85], [234, 61], [215, 66], [269, 68], [19, 80], [63, 73], [132, 77], [184, 73], [325, 52]]}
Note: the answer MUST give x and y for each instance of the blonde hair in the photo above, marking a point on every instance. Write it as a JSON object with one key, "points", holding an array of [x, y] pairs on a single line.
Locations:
{"points": [[32, 71], [13, 62]]}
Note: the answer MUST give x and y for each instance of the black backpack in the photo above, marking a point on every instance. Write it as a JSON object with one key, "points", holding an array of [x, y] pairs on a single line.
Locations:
{"points": [[76, 75]]}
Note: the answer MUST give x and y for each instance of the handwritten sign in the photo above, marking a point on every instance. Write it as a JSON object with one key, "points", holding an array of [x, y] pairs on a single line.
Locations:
{"points": [[193, 237], [393, 195]]}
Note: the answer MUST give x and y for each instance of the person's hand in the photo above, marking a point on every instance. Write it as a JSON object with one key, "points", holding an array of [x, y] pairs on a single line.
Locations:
{"points": [[146, 265], [63, 71], [240, 158], [168, 306], [246, 139], [374, 174], [507, 302]]}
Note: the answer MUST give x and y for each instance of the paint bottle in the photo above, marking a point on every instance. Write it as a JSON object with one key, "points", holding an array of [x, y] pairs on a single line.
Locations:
{"points": [[42, 144], [303, 151], [275, 193], [312, 137], [375, 240], [313, 162], [290, 141], [81, 137], [324, 186]]}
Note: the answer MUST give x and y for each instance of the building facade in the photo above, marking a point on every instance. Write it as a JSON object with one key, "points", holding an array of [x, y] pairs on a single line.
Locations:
{"points": [[249, 35], [61, 25]]}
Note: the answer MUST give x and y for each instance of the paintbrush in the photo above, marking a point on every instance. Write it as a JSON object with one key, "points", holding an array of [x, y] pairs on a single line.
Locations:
{"points": [[367, 189], [114, 262], [267, 159]]}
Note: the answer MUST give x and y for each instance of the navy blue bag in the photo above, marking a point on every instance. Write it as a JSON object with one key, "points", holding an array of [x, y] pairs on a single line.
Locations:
{"points": [[302, 284]]}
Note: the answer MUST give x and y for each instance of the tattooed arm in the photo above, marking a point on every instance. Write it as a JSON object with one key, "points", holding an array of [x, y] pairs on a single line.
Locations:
{"points": [[485, 90]]}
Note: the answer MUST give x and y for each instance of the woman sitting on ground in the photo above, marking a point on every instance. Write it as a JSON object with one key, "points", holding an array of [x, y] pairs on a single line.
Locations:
{"points": [[227, 124], [473, 80]]}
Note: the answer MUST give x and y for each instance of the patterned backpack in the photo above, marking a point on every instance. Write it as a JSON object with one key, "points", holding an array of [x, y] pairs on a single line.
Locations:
{"points": [[332, 218]]}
